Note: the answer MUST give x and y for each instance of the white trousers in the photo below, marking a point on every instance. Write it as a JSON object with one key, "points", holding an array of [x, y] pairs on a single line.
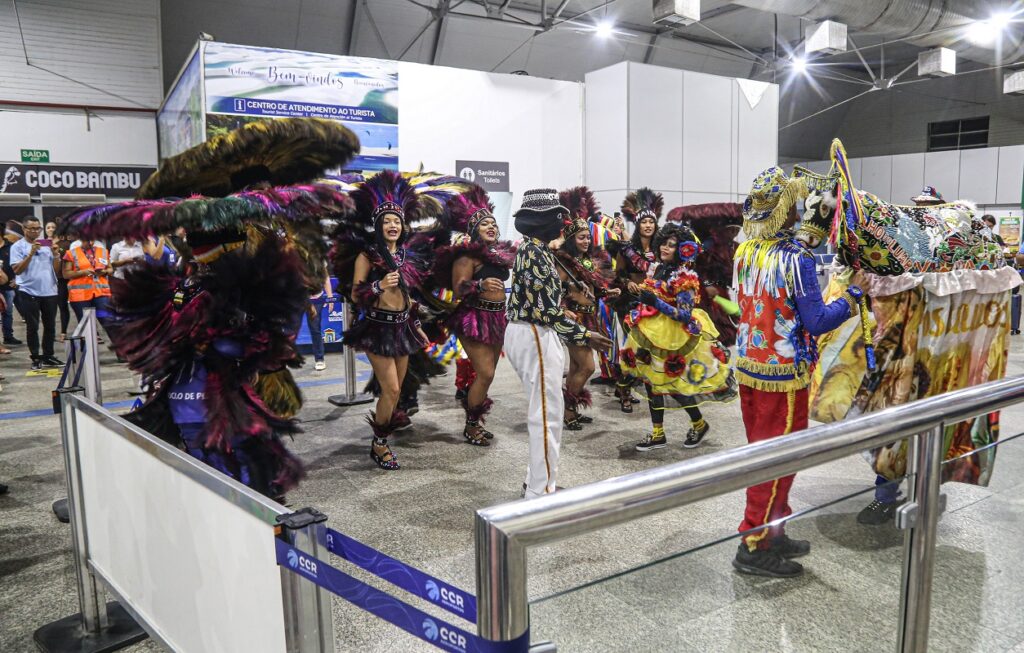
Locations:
{"points": [[536, 354]]}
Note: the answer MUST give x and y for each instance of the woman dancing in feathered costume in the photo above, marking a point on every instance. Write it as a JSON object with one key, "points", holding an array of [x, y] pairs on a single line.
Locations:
{"points": [[214, 336], [476, 268], [204, 332], [586, 274], [385, 268]]}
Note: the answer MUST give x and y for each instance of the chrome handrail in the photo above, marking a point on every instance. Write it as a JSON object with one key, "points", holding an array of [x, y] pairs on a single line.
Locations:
{"points": [[504, 532]]}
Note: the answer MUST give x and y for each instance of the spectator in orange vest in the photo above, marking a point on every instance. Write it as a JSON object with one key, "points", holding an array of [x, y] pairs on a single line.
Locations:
{"points": [[86, 267]]}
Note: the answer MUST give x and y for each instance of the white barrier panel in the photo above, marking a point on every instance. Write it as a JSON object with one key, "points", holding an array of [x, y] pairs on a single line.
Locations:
{"points": [[194, 560]]}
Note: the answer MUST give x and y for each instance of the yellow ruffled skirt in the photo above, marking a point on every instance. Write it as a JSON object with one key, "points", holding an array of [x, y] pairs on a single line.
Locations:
{"points": [[674, 362]]}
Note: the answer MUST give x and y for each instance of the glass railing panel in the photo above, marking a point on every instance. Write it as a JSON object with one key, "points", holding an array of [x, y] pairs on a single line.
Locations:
{"points": [[677, 590], [977, 598]]}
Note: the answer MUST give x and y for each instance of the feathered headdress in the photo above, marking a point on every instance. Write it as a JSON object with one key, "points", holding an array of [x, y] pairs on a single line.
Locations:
{"points": [[581, 203], [643, 203], [467, 210], [582, 209]]}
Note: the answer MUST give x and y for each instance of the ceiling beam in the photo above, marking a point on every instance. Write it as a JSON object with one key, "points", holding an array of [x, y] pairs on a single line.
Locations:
{"points": [[441, 15], [353, 27]]}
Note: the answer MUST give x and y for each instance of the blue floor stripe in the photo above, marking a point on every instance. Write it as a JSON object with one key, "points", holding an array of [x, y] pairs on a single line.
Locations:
{"points": [[113, 405]]}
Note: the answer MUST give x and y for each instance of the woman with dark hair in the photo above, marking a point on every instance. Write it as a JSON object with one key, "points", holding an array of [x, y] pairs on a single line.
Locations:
{"points": [[586, 274], [476, 269], [672, 345], [387, 328], [635, 261]]}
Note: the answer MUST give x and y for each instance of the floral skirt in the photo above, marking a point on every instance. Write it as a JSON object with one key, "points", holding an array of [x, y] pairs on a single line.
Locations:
{"points": [[692, 369]]}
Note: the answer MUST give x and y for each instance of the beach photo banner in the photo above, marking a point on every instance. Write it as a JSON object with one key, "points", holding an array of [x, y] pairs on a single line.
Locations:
{"points": [[246, 84]]}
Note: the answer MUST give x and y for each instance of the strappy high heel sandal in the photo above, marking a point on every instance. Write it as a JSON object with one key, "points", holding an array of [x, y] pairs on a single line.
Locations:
{"points": [[480, 439], [625, 399], [388, 460]]}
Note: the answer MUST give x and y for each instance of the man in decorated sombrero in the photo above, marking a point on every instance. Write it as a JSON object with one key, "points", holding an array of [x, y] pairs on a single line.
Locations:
{"points": [[782, 313]]}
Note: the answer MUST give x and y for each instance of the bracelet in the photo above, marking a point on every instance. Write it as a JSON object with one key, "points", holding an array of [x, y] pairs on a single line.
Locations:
{"points": [[376, 289]]}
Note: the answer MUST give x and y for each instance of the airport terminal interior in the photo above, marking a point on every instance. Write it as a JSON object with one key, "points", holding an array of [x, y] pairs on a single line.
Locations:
{"points": [[504, 325]]}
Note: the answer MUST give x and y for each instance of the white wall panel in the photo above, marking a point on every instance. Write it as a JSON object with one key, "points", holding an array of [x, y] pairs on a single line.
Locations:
{"points": [[708, 109], [536, 125], [610, 200], [99, 53], [655, 127], [103, 138], [706, 198], [757, 135], [907, 177], [673, 198], [876, 176], [1011, 174], [978, 172], [606, 120], [942, 170]]}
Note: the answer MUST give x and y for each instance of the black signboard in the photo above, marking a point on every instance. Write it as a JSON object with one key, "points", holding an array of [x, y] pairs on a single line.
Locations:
{"points": [[34, 179], [489, 175]]}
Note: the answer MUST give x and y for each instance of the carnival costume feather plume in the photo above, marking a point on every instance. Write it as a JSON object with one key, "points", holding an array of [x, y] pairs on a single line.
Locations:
{"points": [[142, 218], [466, 211], [581, 203], [641, 203], [278, 152], [161, 318], [420, 197]]}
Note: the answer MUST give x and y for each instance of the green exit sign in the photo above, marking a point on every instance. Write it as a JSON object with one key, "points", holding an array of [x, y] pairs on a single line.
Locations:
{"points": [[35, 156]]}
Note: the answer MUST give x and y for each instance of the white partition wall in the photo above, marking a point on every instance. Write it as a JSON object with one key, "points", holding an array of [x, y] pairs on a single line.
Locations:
{"points": [[449, 114], [197, 567], [989, 177], [694, 137]]}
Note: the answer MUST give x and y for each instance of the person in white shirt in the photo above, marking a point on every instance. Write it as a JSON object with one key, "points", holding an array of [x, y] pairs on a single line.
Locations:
{"points": [[125, 253]]}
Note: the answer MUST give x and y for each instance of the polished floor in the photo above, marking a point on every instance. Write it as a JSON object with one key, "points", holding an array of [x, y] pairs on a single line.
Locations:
{"points": [[660, 584]]}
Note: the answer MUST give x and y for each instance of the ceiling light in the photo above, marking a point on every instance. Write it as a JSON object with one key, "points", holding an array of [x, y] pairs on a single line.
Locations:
{"points": [[985, 32], [604, 29], [1001, 19], [799, 64]]}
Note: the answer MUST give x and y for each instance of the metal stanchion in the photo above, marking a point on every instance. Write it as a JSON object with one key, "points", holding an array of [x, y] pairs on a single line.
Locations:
{"points": [[920, 517], [351, 397], [98, 626], [309, 626]]}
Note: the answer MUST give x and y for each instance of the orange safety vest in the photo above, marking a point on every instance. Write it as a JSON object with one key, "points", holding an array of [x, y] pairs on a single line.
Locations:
{"points": [[83, 289]]}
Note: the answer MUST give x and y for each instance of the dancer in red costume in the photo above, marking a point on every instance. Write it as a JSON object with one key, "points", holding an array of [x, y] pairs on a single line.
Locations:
{"points": [[782, 313]]}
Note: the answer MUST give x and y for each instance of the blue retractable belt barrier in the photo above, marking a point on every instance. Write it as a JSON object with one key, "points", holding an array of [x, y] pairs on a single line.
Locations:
{"points": [[410, 619], [398, 573]]}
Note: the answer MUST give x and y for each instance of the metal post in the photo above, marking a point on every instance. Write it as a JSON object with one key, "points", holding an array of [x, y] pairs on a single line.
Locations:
{"points": [[351, 397], [309, 625], [99, 626], [93, 388], [921, 513], [502, 613]]}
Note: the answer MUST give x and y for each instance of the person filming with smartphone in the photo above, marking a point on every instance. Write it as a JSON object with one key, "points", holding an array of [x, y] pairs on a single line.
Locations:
{"points": [[35, 262], [87, 268]]}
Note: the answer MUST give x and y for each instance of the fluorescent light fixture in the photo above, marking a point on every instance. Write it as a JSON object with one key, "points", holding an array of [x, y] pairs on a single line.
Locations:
{"points": [[605, 28], [15, 198]]}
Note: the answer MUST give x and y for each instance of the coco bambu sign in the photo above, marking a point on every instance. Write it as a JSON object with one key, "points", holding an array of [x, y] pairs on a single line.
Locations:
{"points": [[113, 181]]}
